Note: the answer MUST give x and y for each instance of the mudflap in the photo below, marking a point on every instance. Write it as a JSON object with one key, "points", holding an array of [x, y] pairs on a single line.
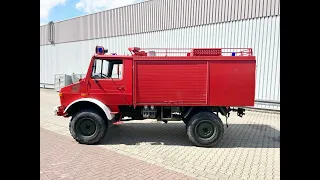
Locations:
{"points": [[117, 119]]}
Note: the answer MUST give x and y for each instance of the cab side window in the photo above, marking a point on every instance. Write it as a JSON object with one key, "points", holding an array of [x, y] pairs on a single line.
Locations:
{"points": [[107, 69]]}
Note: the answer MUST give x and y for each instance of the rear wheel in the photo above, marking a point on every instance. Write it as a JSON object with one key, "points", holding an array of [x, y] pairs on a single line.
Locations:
{"points": [[205, 129], [87, 127]]}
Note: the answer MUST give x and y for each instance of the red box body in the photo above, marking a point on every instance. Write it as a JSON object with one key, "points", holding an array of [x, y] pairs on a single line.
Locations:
{"points": [[194, 81]]}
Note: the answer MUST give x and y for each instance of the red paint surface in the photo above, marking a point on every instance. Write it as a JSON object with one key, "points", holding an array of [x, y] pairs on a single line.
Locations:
{"points": [[195, 81], [170, 82], [232, 83]]}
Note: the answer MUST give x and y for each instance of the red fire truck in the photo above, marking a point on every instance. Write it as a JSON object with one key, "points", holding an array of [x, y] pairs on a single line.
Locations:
{"points": [[191, 85]]}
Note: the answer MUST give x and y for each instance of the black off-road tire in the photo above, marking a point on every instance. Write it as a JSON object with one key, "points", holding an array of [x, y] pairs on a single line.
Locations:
{"points": [[199, 126], [88, 127]]}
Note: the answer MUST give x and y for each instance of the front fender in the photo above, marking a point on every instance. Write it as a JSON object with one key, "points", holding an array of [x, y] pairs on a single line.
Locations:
{"points": [[105, 108]]}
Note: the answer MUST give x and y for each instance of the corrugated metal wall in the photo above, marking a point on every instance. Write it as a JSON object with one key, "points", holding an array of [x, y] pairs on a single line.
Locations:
{"points": [[156, 15], [262, 34]]}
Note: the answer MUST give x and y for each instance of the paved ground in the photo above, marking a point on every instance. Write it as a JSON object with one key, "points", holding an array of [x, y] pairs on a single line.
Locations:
{"points": [[250, 149], [60, 158]]}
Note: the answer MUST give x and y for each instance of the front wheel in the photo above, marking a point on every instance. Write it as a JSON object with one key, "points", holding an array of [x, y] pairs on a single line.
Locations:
{"points": [[205, 129], [87, 127]]}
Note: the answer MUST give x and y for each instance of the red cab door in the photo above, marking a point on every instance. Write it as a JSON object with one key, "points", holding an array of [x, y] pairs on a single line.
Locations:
{"points": [[109, 82]]}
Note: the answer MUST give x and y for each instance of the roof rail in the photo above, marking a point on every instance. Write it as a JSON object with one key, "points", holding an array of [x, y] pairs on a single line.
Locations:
{"points": [[136, 51]]}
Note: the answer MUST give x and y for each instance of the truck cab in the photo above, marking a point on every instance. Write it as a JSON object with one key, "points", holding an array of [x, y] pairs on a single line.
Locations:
{"points": [[194, 88]]}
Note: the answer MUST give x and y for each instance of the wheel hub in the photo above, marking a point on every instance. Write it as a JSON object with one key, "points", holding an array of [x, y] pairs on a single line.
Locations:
{"points": [[205, 129], [87, 127]]}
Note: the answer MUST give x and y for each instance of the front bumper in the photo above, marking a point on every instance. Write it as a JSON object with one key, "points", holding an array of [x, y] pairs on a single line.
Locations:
{"points": [[58, 111]]}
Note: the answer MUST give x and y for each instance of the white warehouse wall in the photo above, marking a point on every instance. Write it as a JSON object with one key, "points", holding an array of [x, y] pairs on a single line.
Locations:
{"points": [[262, 34]]}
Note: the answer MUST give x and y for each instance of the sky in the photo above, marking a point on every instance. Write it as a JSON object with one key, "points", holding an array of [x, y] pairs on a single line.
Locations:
{"points": [[57, 10]]}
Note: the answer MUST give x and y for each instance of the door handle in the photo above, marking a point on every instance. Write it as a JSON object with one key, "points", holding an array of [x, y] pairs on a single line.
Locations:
{"points": [[120, 87]]}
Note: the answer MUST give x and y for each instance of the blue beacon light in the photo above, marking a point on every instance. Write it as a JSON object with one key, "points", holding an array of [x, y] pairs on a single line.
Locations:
{"points": [[100, 50]]}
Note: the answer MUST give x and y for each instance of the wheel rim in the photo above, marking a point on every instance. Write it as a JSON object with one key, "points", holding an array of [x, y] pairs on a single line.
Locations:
{"points": [[205, 129], [87, 127]]}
